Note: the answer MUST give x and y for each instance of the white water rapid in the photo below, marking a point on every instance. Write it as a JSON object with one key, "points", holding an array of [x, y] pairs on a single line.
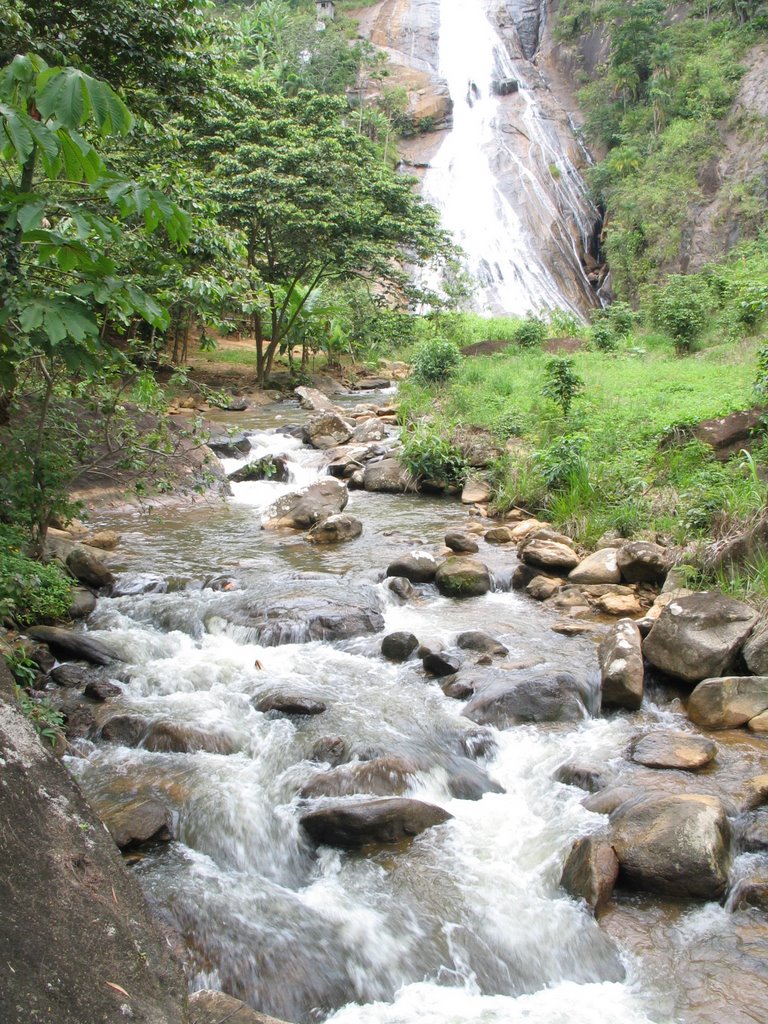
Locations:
{"points": [[503, 180]]}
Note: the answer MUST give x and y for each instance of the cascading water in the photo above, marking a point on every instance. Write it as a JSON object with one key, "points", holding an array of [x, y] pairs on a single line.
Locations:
{"points": [[506, 187]]}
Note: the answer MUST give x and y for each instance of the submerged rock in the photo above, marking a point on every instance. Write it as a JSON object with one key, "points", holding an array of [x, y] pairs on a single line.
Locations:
{"points": [[357, 823], [290, 704]]}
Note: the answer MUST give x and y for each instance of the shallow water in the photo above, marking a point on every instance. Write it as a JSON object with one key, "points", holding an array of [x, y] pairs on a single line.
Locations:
{"points": [[466, 922]]}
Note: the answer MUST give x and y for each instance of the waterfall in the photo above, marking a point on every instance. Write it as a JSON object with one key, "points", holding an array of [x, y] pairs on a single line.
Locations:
{"points": [[505, 184]]}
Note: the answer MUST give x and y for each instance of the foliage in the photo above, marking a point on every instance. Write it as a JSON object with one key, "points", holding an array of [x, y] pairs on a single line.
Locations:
{"points": [[681, 309], [48, 722], [561, 383], [561, 461], [429, 454], [603, 336], [435, 360], [30, 591], [761, 377], [531, 332]]}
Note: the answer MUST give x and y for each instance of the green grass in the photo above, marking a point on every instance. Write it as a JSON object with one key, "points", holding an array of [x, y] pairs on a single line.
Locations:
{"points": [[623, 460]]}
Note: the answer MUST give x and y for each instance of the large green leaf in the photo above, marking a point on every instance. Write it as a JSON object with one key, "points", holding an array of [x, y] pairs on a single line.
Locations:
{"points": [[72, 97]]}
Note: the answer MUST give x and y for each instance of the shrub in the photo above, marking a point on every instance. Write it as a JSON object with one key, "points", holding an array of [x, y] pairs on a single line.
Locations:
{"points": [[561, 383], [680, 309], [603, 336], [44, 717], [30, 591], [564, 323], [435, 360], [563, 461], [761, 377], [621, 317], [429, 454], [531, 332]]}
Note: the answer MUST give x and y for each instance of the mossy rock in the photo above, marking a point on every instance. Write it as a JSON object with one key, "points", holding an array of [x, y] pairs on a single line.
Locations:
{"points": [[463, 577]]}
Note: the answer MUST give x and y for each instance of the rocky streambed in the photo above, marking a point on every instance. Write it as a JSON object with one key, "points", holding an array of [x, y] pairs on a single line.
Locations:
{"points": [[375, 757]]}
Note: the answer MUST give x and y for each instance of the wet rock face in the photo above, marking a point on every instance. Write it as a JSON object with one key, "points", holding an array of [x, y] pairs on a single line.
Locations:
{"points": [[290, 704], [461, 543], [209, 1007], [621, 667], [414, 568], [590, 871], [326, 430], [271, 467], [336, 529], [673, 845], [484, 643], [399, 646], [138, 821], [544, 694], [699, 636], [66, 643], [360, 822]]}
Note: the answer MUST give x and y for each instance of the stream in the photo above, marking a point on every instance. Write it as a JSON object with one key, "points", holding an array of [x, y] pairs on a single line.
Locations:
{"points": [[464, 923]]}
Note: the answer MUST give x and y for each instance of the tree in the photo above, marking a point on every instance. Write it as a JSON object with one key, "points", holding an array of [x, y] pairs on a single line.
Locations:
{"points": [[62, 212], [314, 202]]}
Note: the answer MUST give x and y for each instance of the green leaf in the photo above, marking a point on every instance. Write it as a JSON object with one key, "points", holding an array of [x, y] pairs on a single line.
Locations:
{"points": [[17, 132], [72, 97], [30, 215]]}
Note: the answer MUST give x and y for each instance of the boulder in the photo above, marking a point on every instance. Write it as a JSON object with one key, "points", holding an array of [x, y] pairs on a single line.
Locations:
{"points": [[100, 690], [131, 584], [270, 467], [458, 689], [540, 694], [549, 554], [484, 643], [606, 801], [753, 837], [524, 529], [669, 749], [230, 447], [351, 824], [440, 663], [728, 701], [387, 476], [541, 588], [621, 667], [400, 587], [179, 738], [326, 430], [138, 821], [499, 535], [301, 510], [599, 567], [640, 561], [416, 568], [368, 431], [381, 776], [699, 636], [87, 567], [759, 723], [673, 845], [209, 1007], [463, 577], [298, 620], [289, 704], [619, 605], [590, 871], [71, 675], [336, 529], [67, 643], [476, 491], [83, 603], [399, 646], [105, 540], [314, 400], [127, 730], [755, 651], [461, 543], [755, 792], [727, 435], [589, 777]]}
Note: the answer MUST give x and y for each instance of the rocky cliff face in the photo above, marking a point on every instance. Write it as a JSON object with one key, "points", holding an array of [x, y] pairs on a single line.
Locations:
{"points": [[544, 255]]}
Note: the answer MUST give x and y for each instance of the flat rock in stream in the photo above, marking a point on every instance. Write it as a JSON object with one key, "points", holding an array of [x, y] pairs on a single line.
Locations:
{"points": [[299, 620], [539, 694], [483, 643], [670, 749], [70, 644], [418, 567], [356, 823], [210, 1007]]}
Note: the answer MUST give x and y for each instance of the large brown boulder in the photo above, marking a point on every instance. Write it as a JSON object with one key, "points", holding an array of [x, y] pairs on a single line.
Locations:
{"points": [[136, 821], [728, 702], [590, 871], [642, 562], [673, 845], [314, 400], [71, 644], [73, 919], [357, 823], [86, 566], [549, 554], [416, 568], [755, 650], [303, 509], [699, 636], [209, 1007], [387, 476], [599, 567], [326, 430], [621, 667], [463, 577]]}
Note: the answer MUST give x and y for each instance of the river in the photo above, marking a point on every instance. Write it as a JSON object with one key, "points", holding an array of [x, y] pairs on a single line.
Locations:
{"points": [[466, 922]]}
